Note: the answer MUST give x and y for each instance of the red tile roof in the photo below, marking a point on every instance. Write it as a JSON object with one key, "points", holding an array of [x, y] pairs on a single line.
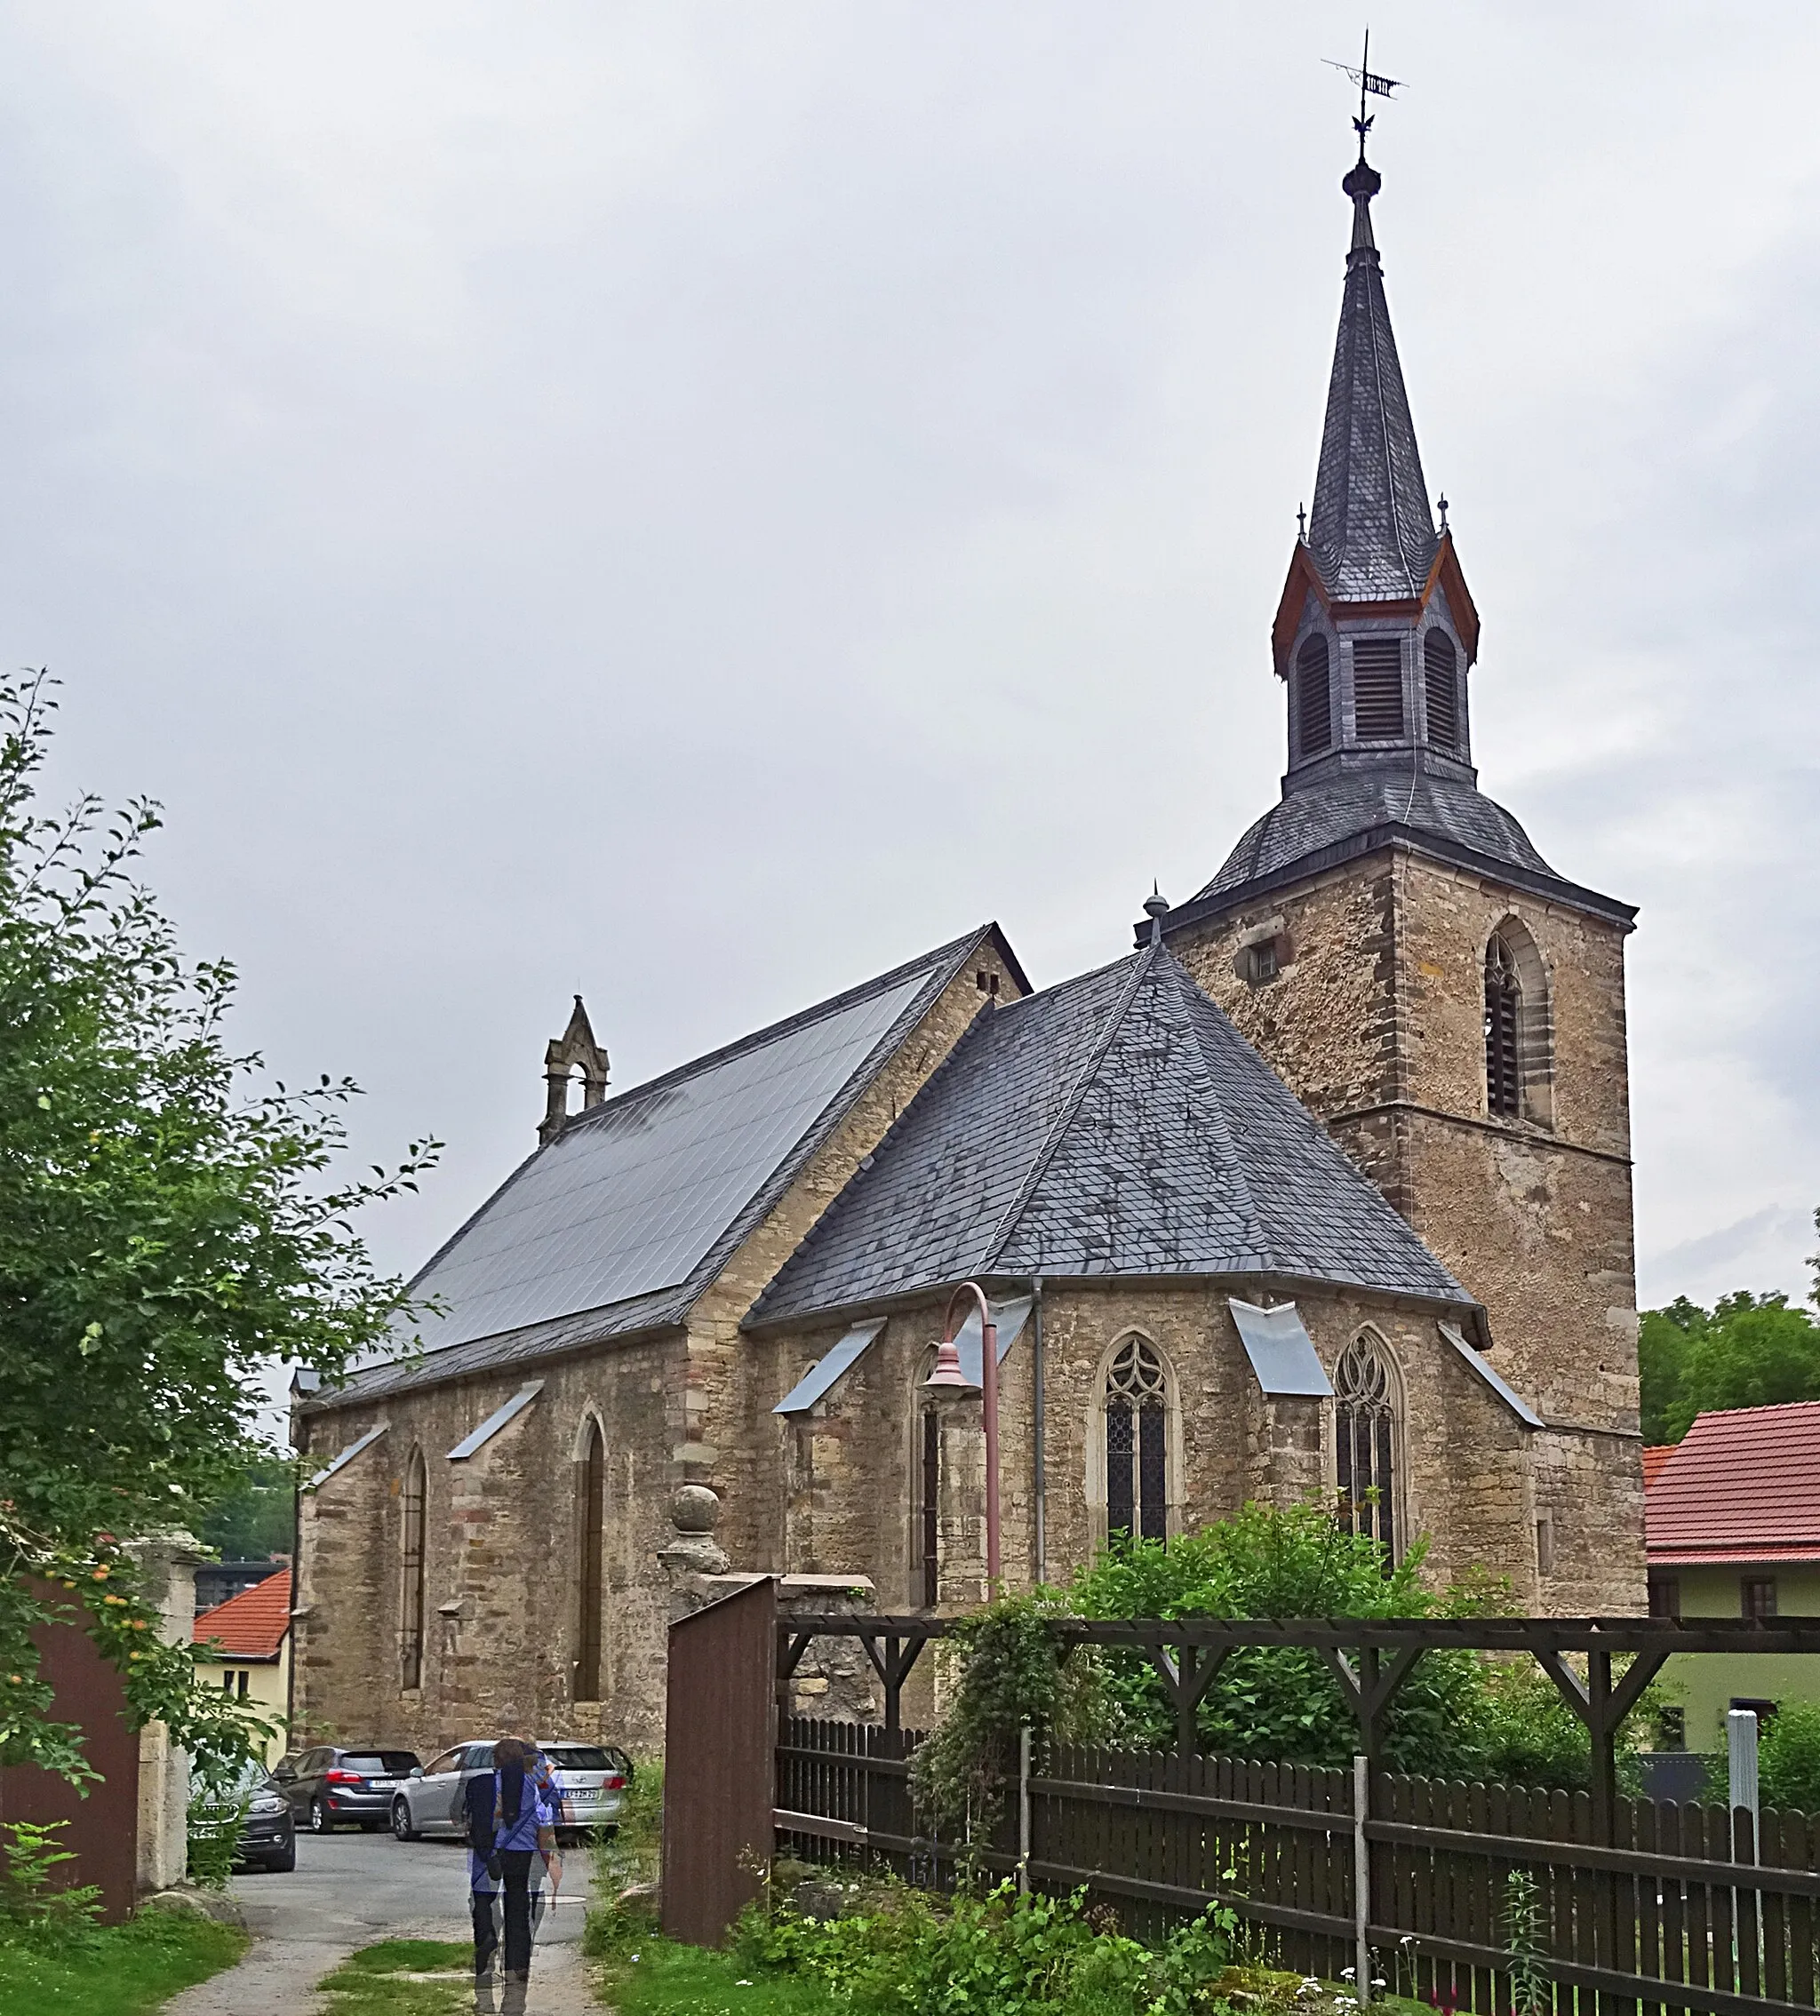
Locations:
{"points": [[1744, 1486], [252, 1624], [1653, 1461]]}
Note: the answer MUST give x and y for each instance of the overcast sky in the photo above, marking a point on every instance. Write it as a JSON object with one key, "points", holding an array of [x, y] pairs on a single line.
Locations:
{"points": [[697, 504]]}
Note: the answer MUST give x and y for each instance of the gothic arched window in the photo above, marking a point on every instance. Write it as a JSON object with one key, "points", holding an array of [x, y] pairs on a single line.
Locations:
{"points": [[1314, 701], [1137, 1443], [1504, 1014], [591, 1509], [928, 1537], [1440, 674], [411, 1637], [1367, 1437]]}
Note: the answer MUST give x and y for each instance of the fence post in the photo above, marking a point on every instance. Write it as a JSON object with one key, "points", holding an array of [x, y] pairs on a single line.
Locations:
{"points": [[1741, 1759], [1361, 1878], [1024, 1811]]}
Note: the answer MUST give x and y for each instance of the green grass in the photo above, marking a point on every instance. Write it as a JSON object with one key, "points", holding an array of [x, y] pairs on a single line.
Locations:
{"points": [[668, 1980], [369, 1982], [113, 1970]]}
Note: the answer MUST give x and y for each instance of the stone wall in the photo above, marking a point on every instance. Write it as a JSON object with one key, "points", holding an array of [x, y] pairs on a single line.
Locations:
{"points": [[1376, 1020], [502, 1531]]}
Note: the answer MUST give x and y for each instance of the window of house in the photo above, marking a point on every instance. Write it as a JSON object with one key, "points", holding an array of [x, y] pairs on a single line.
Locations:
{"points": [[1313, 697], [1664, 1596], [929, 1530], [410, 1646], [1377, 687], [1504, 1004], [1368, 1427], [1757, 1596], [1137, 1443], [591, 1516], [1441, 680], [1260, 962]]}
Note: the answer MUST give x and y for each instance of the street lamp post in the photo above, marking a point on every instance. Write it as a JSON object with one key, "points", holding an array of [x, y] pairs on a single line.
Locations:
{"points": [[947, 1374]]}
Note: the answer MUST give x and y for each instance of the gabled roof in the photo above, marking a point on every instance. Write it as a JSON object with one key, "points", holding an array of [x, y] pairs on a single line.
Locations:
{"points": [[622, 1219], [252, 1624], [1743, 1487], [1118, 1124]]}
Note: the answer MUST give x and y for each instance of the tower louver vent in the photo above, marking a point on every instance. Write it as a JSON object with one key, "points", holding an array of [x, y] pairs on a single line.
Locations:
{"points": [[1377, 687], [1313, 708], [1441, 669]]}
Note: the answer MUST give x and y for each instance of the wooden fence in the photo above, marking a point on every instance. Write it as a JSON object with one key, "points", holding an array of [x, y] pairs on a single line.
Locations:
{"points": [[1677, 1911]]}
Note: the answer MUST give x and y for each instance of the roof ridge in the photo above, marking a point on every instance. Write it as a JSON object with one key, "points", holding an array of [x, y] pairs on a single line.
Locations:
{"points": [[954, 954], [1071, 1107], [1222, 1126]]}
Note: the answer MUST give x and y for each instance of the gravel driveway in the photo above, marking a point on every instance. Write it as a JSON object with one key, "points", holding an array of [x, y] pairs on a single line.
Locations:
{"points": [[349, 1889]]}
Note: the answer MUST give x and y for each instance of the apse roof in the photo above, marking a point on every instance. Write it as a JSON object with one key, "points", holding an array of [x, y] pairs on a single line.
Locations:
{"points": [[1117, 1124], [619, 1221]]}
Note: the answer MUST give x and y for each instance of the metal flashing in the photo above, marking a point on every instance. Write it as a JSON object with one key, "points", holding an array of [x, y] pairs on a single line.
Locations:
{"points": [[815, 1384], [1499, 1385], [1282, 1352], [1010, 1317], [347, 1455], [496, 1421]]}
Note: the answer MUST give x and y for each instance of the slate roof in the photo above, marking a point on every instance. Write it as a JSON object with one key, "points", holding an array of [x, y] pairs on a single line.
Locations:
{"points": [[1372, 533], [621, 1221], [1743, 1487], [252, 1624], [1117, 1124]]}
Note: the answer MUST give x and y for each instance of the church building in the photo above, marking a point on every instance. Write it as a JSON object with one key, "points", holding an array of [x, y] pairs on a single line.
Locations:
{"points": [[1323, 1191]]}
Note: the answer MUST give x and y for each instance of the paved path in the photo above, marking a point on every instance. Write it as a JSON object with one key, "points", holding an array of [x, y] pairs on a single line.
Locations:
{"points": [[349, 1889]]}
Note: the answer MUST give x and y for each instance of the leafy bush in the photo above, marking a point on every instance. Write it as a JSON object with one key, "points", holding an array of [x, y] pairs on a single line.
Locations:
{"points": [[992, 1953], [32, 1896], [1788, 1760], [214, 1838], [628, 1866]]}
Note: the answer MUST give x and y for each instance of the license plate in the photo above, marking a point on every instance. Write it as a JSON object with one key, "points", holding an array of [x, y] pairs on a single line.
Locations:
{"points": [[383, 1784]]}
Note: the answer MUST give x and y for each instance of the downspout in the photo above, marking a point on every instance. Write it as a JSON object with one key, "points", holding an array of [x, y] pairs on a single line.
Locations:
{"points": [[1036, 1441]]}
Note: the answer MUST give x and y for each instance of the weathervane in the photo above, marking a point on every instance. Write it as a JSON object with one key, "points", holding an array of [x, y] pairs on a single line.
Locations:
{"points": [[1370, 85]]}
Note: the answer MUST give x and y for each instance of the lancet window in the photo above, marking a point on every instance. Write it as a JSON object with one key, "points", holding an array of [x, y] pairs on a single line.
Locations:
{"points": [[1368, 1420], [591, 1509], [1504, 1015], [410, 1637], [1137, 1412]]}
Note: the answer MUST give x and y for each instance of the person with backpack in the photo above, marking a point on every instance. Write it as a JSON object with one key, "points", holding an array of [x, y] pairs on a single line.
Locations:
{"points": [[512, 1814]]}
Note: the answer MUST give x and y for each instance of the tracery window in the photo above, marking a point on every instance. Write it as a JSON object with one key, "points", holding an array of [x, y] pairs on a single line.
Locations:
{"points": [[1137, 1443], [591, 1508], [1314, 701], [410, 1637], [1503, 1009], [1367, 1437]]}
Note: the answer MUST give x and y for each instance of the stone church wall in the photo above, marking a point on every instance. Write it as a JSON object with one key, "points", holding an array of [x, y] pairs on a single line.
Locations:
{"points": [[502, 1599], [1376, 1020]]}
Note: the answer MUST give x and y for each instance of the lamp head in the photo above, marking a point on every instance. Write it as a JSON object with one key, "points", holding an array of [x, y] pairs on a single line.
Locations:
{"points": [[947, 1373]]}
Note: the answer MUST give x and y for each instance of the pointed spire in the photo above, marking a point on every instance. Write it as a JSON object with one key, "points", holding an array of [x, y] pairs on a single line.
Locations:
{"points": [[1372, 536]]}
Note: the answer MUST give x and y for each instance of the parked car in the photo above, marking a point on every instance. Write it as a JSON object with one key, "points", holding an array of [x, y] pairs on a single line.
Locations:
{"points": [[592, 1778], [267, 1834], [336, 1784]]}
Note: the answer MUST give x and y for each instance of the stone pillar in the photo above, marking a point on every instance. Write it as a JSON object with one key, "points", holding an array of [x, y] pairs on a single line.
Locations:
{"points": [[1287, 1448], [691, 1557], [834, 1677], [167, 1572]]}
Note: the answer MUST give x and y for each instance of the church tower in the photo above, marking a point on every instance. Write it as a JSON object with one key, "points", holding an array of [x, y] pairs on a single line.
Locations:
{"points": [[1450, 1006]]}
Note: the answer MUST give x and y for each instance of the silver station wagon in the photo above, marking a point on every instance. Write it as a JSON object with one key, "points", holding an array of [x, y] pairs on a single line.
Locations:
{"points": [[592, 1778]]}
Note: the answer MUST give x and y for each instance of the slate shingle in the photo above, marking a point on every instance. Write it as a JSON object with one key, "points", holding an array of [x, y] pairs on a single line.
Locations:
{"points": [[1118, 1124]]}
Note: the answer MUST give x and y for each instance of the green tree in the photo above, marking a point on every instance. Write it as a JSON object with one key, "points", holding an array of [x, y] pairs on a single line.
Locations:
{"points": [[170, 1227], [1748, 1350], [254, 1520]]}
